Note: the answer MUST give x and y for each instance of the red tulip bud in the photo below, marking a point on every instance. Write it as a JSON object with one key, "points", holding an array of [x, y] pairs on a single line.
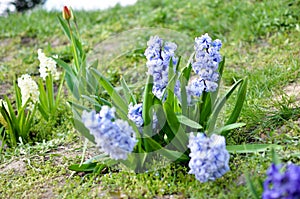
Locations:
{"points": [[67, 13]]}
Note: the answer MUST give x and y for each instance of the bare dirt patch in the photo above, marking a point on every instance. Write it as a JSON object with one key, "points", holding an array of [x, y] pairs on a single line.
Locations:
{"points": [[293, 91], [47, 188], [17, 166], [28, 41], [6, 57], [5, 42], [57, 42]]}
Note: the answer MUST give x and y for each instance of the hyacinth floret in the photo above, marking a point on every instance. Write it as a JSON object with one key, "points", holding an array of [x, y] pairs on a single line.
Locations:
{"points": [[47, 66], [135, 114], [29, 90], [203, 42], [209, 157], [282, 182], [113, 136], [196, 87], [158, 56], [205, 65]]}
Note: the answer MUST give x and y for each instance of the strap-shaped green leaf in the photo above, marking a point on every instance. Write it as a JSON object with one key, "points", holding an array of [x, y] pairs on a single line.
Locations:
{"points": [[252, 187], [241, 96], [218, 107], [83, 130], [64, 25], [172, 78], [147, 101], [18, 95], [188, 122], [205, 108], [174, 155], [251, 148], [275, 157], [65, 66], [178, 137], [98, 158], [50, 93], [227, 128], [115, 96], [90, 167], [127, 92], [60, 89]]}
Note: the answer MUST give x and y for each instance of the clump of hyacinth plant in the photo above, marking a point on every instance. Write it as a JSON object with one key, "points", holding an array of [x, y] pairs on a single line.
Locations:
{"points": [[176, 118], [17, 118], [48, 101]]}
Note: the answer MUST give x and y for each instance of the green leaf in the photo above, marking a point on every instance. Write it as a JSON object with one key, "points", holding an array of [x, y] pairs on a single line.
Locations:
{"points": [[80, 126], [58, 95], [221, 70], [218, 107], [3, 138], [178, 137], [173, 76], [205, 107], [11, 119], [147, 101], [93, 101], [18, 95], [50, 93], [135, 161], [43, 106], [174, 155], [184, 102], [152, 145], [74, 105], [241, 96], [127, 92], [227, 128], [83, 130], [186, 71], [101, 100], [252, 187], [251, 148], [186, 121], [115, 96], [171, 119], [83, 168], [65, 27], [65, 66], [275, 157]]}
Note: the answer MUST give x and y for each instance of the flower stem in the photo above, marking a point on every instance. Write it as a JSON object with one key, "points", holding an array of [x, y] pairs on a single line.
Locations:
{"points": [[74, 49]]}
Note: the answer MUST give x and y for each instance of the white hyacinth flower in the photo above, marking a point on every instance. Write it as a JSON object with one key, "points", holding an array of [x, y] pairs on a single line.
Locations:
{"points": [[47, 66], [29, 89]]}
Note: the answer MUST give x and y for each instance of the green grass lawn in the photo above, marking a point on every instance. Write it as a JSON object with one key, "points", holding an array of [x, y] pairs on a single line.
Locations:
{"points": [[261, 40]]}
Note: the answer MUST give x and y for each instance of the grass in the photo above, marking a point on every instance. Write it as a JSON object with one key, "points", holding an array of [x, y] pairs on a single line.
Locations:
{"points": [[260, 40]]}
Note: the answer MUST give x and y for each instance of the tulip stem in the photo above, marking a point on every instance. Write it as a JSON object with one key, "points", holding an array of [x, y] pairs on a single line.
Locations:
{"points": [[74, 49]]}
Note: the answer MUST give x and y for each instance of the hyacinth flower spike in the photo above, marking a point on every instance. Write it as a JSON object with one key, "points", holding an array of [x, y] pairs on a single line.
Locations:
{"points": [[209, 157], [113, 136]]}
